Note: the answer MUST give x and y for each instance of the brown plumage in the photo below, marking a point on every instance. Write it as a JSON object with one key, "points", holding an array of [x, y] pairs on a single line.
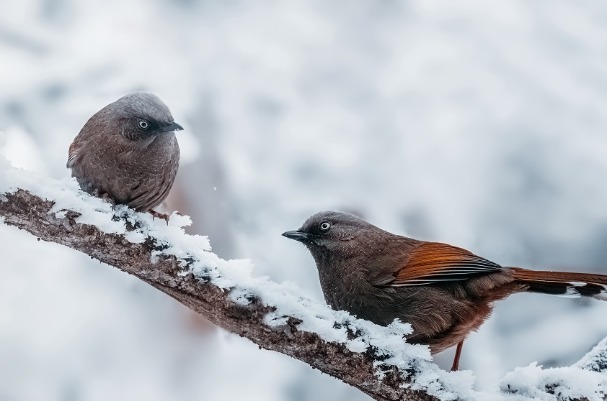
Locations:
{"points": [[444, 292], [127, 152]]}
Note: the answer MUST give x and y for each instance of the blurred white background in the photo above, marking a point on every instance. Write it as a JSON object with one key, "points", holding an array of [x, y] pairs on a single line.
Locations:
{"points": [[476, 123]]}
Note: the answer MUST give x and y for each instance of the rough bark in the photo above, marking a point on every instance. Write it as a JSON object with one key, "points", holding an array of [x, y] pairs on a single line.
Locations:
{"points": [[33, 214]]}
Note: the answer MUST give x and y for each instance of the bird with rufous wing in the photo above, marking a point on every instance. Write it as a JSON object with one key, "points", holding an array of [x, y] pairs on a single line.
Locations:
{"points": [[444, 292]]}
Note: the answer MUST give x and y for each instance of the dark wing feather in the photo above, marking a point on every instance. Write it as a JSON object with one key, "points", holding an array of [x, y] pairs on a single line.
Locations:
{"points": [[431, 263], [73, 153]]}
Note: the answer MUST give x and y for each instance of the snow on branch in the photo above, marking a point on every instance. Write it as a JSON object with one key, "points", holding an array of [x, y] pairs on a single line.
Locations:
{"points": [[277, 317]]}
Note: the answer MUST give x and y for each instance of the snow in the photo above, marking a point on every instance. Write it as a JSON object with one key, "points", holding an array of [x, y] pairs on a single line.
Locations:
{"points": [[558, 383], [476, 123]]}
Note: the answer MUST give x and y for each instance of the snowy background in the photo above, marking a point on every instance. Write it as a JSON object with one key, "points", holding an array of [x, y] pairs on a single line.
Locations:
{"points": [[477, 123]]}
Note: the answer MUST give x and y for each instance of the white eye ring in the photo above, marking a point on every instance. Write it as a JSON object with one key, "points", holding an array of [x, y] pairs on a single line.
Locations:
{"points": [[325, 226], [144, 124]]}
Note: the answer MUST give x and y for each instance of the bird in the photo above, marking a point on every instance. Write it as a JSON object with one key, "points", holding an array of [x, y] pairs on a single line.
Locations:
{"points": [[127, 153], [444, 292]]}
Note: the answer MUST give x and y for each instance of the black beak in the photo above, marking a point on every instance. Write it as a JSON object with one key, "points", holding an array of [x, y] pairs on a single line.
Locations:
{"points": [[297, 235], [171, 127]]}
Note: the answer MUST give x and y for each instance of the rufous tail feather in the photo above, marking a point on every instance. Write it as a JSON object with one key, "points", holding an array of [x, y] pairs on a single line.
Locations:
{"points": [[563, 283]]}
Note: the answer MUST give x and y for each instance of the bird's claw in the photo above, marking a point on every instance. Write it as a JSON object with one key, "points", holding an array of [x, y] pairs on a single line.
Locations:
{"points": [[160, 215]]}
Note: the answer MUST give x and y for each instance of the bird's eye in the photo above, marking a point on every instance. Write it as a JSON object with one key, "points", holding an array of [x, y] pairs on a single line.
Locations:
{"points": [[324, 226], [144, 124]]}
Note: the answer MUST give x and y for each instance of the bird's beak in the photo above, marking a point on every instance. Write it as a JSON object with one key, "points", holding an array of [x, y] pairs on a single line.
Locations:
{"points": [[297, 235], [172, 127]]}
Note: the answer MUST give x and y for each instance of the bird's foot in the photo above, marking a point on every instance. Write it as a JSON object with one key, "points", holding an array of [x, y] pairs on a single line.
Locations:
{"points": [[160, 215], [104, 196]]}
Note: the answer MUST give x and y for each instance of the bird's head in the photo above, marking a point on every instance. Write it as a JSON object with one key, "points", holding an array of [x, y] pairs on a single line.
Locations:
{"points": [[333, 234], [138, 116]]}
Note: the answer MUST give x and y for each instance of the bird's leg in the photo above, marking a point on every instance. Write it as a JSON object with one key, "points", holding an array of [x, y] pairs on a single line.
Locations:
{"points": [[159, 215], [104, 196], [458, 352]]}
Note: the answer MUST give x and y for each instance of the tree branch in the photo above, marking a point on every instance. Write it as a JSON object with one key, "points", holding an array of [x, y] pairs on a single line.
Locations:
{"points": [[371, 358]]}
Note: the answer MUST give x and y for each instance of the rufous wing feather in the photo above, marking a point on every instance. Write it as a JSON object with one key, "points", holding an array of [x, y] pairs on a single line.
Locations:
{"points": [[438, 263]]}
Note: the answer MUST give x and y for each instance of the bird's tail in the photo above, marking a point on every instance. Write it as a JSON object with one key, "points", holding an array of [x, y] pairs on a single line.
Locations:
{"points": [[563, 283]]}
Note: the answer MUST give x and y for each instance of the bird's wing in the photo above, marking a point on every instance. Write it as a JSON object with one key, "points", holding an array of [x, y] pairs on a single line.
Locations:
{"points": [[431, 263], [73, 152]]}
